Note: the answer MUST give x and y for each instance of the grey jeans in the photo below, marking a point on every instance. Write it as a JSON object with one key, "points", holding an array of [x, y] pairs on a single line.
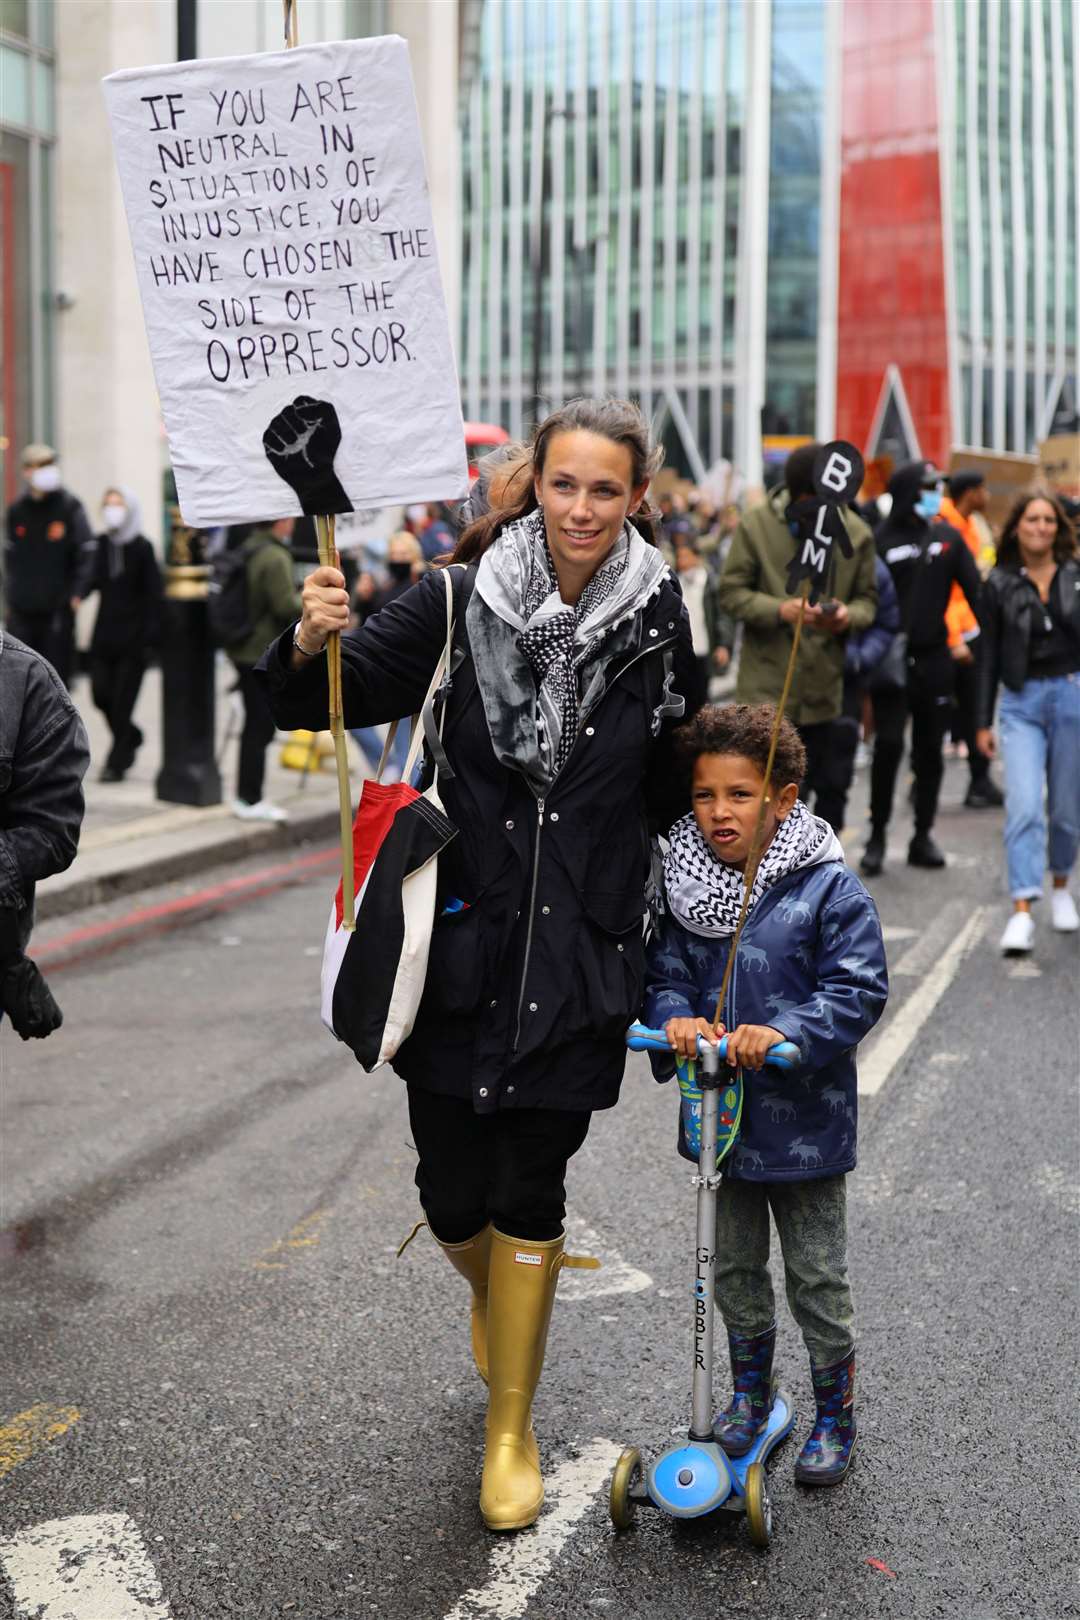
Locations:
{"points": [[811, 1219]]}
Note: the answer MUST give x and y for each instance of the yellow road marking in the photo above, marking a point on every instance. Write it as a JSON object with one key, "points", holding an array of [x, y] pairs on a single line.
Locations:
{"points": [[304, 1235], [30, 1431]]}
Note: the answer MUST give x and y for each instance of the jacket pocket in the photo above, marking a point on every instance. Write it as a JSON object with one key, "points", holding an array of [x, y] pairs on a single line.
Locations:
{"points": [[611, 960], [455, 973]]}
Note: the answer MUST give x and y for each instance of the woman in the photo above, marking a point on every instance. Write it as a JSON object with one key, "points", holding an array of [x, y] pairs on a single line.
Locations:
{"points": [[576, 644], [1030, 643], [127, 578]]}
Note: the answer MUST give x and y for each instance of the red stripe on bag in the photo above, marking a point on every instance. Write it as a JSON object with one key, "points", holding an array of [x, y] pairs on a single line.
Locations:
{"points": [[379, 804]]}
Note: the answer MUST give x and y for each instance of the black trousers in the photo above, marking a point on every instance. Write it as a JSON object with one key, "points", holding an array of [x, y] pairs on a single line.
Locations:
{"points": [[830, 761], [50, 634], [927, 698], [508, 1168], [255, 739], [115, 684]]}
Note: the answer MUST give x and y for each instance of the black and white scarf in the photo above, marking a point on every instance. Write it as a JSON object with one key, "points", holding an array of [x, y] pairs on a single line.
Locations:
{"points": [[705, 895], [516, 579]]}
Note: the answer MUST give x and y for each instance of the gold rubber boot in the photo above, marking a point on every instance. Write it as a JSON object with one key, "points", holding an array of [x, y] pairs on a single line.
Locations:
{"points": [[472, 1259], [522, 1282]]}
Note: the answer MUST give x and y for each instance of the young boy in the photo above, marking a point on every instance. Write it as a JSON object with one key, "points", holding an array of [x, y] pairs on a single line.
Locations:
{"points": [[810, 968]]}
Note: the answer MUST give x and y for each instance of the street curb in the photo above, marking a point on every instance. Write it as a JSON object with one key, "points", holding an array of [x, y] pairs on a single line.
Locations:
{"points": [[237, 842]]}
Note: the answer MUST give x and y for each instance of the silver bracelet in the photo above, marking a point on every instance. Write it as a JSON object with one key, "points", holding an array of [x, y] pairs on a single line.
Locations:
{"points": [[302, 650]]}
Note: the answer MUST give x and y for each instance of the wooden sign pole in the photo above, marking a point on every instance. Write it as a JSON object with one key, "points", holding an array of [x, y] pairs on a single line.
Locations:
{"points": [[328, 557]]}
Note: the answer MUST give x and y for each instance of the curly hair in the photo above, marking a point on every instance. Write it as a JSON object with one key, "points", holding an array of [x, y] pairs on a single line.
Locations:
{"points": [[744, 729]]}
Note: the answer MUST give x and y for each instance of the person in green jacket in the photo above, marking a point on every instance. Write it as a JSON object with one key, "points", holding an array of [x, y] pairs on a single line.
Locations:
{"points": [[753, 589], [273, 604]]}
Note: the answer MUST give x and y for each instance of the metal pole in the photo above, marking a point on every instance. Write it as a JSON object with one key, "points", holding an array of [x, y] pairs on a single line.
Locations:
{"points": [[708, 1180], [186, 31]]}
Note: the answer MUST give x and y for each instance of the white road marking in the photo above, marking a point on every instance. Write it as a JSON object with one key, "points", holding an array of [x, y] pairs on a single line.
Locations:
{"points": [[520, 1564], [893, 934], [89, 1567], [921, 957], [1023, 969], [885, 1050], [616, 1275]]}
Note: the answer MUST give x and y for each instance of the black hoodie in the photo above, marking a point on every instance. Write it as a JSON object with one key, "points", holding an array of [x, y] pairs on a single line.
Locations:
{"points": [[925, 559]]}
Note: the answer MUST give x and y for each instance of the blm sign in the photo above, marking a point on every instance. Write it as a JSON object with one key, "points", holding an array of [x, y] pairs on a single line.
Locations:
{"points": [[279, 217]]}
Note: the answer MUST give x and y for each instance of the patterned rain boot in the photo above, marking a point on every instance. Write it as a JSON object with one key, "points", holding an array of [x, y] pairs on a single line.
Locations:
{"points": [[747, 1413], [827, 1453]]}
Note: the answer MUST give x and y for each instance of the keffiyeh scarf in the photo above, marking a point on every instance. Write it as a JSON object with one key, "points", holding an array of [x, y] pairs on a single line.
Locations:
{"points": [[516, 579], [705, 895]]}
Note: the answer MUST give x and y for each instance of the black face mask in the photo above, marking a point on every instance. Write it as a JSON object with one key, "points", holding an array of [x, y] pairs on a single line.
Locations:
{"points": [[399, 570]]}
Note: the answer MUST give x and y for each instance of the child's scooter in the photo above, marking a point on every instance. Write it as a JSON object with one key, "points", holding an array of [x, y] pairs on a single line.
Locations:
{"points": [[697, 1477]]}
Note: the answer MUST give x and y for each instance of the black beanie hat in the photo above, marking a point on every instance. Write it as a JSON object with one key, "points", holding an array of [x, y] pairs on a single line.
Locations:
{"points": [[959, 483], [799, 470]]}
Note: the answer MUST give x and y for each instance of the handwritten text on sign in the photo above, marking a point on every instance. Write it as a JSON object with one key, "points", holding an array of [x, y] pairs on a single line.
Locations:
{"points": [[285, 253]]}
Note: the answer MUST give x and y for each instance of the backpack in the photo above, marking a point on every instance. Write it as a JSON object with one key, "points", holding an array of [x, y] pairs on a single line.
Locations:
{"points": [[229, 597]]}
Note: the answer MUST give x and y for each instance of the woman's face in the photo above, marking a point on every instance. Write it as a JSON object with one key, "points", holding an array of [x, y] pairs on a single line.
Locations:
{"points": [[586, 490], [1037, 530]]}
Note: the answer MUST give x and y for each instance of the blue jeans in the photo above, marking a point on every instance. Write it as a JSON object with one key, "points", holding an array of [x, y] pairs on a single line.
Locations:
{"points": [[371, 745], [1040, 739]]}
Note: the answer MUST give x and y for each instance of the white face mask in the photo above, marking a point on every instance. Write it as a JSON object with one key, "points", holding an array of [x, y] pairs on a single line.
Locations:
{"points": [[113, 515], [44, 479]]}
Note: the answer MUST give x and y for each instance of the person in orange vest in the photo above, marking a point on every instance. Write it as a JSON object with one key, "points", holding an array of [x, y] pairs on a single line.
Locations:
{"points": [[966, 496]]}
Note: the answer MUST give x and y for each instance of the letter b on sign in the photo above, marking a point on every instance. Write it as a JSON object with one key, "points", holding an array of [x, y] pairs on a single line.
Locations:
{"points": [[838, 472]]}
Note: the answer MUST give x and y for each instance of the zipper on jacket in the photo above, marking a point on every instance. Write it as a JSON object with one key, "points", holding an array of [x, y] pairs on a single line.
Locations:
{"points": [[532, 915]]}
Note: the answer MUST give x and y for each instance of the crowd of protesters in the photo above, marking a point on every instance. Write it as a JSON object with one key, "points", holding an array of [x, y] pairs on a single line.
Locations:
{"points": [[923, 624]]}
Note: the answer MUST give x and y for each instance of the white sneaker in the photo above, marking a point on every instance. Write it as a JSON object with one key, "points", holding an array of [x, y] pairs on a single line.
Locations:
{"points": [[1063, 912], [1019, 935], [262, 811]]}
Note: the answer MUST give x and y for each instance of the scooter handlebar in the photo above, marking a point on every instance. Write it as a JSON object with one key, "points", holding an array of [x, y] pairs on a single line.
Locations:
{"points": [[784, 1055]]}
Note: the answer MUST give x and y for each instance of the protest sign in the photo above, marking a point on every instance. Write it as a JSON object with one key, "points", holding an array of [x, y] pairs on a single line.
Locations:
{"points": [[285, 253]]}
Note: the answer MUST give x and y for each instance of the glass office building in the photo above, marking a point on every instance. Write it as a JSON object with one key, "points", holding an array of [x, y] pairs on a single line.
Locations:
{"points": [[27, 136], [619, 182], [774, 217]]}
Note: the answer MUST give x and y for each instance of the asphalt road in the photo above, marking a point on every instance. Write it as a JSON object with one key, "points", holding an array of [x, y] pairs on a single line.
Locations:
{"points": [[222, 1395]]}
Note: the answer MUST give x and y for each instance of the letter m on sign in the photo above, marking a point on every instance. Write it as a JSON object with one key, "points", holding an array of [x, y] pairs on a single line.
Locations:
{"points": [[815, 557]]}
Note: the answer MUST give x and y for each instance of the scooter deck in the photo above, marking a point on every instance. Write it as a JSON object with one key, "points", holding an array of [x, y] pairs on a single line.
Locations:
{"points": [[780, 1424], [697, 1478]]}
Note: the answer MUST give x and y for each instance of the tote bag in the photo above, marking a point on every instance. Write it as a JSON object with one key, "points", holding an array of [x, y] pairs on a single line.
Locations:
{"points": [[373, 978]]}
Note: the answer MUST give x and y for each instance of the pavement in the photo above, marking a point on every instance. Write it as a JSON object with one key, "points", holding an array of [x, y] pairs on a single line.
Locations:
{"points": [[131, 839]]}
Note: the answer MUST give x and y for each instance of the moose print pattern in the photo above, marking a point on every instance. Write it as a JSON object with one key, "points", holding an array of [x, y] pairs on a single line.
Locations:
{"points": [[811, 965]]}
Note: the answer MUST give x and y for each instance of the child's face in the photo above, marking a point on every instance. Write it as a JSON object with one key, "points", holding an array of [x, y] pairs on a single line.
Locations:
{"points": [[725, 795]]}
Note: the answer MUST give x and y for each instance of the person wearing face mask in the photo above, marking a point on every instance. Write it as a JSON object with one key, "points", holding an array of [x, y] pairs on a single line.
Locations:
{"points": [[46, 557], [926, 558], [404, 565], [127, 578]]}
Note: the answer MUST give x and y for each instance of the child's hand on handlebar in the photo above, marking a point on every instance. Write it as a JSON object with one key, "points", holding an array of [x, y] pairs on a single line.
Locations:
{"points": [[749, 1044], [682, 1034]]}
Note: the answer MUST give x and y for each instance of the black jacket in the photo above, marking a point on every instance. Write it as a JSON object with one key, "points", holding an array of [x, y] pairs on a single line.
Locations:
{"points": [[925, 559], [530, 988], [46, 555], [1009, 601], [43, 759], [128, 580]]}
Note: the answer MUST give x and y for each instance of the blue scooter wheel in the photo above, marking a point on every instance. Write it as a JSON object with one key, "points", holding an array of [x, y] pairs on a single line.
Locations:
{"points": [[627, 1474]]}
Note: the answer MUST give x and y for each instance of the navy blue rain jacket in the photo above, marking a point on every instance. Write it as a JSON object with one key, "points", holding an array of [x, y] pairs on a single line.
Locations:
{"points": [[811, 964], [864, 651]]}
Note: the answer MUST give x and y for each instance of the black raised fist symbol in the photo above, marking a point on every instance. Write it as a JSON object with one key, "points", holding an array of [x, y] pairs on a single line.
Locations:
{"points": [[301, 443]]}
